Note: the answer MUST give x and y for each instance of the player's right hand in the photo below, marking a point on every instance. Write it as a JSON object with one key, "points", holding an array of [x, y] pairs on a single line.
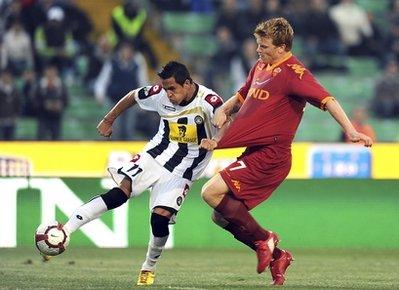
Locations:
{"points": [[104, 128], [220, 118], [356, 137], [208, 144]]}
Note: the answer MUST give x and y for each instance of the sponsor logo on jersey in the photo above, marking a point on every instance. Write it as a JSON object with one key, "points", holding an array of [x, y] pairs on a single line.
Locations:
{"points": [[179, 200], [263, 82], [198, 120], [146, 92], [214, 100], [135, 158], [237, 184], [170, 108], [258, 94], [276, 71], [185, 190], [155, 90], [298, 69], [183, 133]]}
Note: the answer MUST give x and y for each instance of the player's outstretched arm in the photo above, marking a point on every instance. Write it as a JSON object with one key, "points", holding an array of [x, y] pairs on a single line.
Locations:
{"points": [[227, 109], [339, 115], [211, 144], [104, 128]]}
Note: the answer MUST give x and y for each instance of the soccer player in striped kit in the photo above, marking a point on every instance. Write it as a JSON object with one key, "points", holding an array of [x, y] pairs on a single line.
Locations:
{"points": [[269, 108], [170, 162]]}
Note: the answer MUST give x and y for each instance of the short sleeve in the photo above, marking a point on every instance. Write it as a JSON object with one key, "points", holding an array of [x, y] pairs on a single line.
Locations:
{"points": [[211, 102], [147, 97], [304, 85]]}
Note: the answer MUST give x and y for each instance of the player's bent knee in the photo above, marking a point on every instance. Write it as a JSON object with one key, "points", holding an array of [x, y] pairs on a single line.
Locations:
{"points": [[218, 219], [214, 190], [164, 211], [114, 198], [159, 225], [207, 191], [211, 195]]}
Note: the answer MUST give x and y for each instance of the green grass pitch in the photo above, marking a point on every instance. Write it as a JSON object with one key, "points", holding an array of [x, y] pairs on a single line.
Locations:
{"points": [[91, 268]]}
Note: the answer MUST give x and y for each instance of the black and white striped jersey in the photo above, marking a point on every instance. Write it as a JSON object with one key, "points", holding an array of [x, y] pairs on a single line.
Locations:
{"points": [[181, 128]]}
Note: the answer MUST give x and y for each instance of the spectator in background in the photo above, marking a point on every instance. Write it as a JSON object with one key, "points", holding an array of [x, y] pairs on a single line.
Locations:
{"points": [[272, 9], [295, 12], [126, 70], [79, 25], [385, 103], [218, 76], [16, 51], [128, 25], [10, 106], [53, 41], [202, 6], [321, 39], [175, 5], [10, 12], [33, 14], [52, 101], [353, 25], [29, 94], [228, 16], [249, 18], [321, 33], [102, 52], [393, 33], [359, 119], [242, 63]]}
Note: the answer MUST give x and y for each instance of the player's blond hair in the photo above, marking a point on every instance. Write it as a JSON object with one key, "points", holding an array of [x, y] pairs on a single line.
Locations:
{"points": [[279, 30]]}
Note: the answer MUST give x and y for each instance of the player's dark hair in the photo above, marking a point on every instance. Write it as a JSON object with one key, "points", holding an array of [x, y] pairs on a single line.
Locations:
{"points": [[176, 70]]}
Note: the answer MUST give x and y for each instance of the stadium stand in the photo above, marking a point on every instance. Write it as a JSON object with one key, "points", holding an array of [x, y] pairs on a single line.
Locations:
{"points": [[189, 36]]}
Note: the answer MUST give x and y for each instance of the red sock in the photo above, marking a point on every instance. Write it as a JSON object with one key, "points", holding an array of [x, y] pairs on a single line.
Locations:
{"points": [[235, 212], [239, 236], [248, 242]]}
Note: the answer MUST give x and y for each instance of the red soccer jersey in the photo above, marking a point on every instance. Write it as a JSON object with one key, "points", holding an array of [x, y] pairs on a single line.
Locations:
{"points": [[273, 100]]}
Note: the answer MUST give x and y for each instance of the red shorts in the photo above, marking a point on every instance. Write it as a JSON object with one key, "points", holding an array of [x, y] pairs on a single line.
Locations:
{"points": [[258, 172]]}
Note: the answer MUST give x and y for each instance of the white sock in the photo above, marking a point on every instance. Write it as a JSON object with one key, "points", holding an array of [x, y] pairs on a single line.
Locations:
{"points": [[86, 213], [155, 247]]}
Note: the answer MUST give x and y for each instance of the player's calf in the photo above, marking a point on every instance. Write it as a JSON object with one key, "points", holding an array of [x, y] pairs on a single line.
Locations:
{"points": [[159, 236], [218, 219]]}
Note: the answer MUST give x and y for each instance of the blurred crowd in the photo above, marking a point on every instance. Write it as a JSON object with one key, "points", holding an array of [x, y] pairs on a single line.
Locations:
{"points": [[49, 46]]}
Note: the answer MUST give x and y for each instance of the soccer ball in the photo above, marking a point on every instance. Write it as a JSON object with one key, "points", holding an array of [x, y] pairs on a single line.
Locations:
{"points": [[51, 239]]}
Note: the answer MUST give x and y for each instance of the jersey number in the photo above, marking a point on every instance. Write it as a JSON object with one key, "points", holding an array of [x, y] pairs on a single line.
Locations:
{"points": [[135, 167], [240, 165]]}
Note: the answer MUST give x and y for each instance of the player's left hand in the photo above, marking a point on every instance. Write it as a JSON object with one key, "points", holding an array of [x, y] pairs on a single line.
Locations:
{"points": [[356, 137], [208, 144], [104, 128]]}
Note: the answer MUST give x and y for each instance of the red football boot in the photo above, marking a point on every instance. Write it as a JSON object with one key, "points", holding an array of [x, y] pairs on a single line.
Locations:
{"points": [[279, 266], [264, 251]]}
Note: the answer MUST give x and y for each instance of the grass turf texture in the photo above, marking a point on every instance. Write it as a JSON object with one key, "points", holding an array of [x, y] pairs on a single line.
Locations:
{"points": [[90, 268]]}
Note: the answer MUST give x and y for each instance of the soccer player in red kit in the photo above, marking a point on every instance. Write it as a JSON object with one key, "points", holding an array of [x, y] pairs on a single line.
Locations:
{"points": [[269, 109]]}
